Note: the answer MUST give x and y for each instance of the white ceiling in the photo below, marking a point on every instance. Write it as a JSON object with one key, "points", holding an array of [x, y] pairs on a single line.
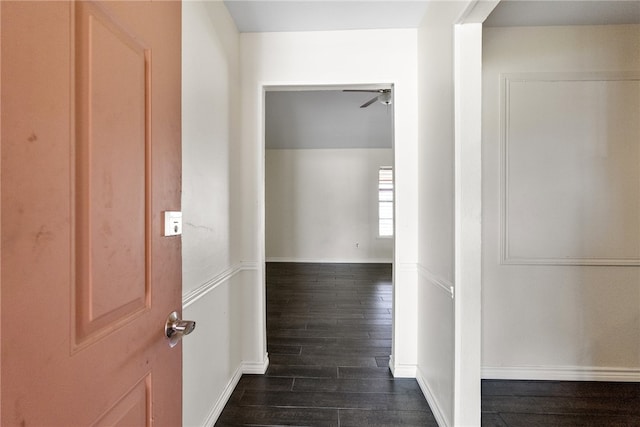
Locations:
{"points": [[514, 13], [320, 15], [327, 15]]}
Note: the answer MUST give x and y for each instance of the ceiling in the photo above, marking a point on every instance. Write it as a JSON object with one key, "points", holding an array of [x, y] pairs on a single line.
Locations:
{"points": [[326, 119], [543, 13], [324, 15], [315, 15], [332, 118]]}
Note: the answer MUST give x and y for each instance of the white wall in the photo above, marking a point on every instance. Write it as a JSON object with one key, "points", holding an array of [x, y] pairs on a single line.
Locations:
{"points": [[212, 271], [561, 203], [322, 205], [436, 322], [336, 58]]}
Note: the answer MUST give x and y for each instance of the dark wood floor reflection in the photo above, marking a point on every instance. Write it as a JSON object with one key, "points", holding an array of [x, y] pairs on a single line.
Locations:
{"points": [[329, 340]]}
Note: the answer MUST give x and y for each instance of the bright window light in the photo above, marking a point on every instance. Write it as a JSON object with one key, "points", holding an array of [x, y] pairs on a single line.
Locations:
{"points": [[385, 201]]}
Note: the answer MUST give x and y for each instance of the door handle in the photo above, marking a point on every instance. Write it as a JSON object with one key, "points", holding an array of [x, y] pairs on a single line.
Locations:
{"points": [[176, 328]]}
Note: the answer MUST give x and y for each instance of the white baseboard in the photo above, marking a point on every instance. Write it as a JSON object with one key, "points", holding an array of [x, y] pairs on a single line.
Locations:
{"points": [[332, 261], [223, 399], [440, 417], [402, 371], [244, 368], [256, 367], [561, 373]]}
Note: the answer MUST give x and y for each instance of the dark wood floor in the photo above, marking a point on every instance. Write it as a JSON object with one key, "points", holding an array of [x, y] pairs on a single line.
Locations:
{"points": [[560, 403], [329, 340]]}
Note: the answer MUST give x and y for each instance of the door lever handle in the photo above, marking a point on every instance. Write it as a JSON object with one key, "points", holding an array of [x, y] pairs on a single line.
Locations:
{"points": [[175, 328]]}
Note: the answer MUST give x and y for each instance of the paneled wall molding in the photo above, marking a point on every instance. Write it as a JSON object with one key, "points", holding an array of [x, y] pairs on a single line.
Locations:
{"points": [[562, 373], [603, 262], [208, 286], [521, 82], [435, 406], [550, 76], [437, 281]]}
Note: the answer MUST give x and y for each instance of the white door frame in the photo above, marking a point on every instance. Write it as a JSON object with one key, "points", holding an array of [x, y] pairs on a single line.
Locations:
{"points": [[468, 212], [281, 86]]}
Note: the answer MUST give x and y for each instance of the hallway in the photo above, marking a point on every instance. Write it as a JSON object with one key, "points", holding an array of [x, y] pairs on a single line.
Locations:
{"points": [[329, 341]]}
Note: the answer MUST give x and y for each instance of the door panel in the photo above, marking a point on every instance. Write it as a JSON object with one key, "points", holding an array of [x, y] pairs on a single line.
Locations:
{"points": [[90, 132], [131, 410], [112, 189]]}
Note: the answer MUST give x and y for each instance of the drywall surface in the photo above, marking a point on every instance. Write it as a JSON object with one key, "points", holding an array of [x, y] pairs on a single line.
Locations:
{"points": [[212, 277], [322, 205], [561, 203], [435, 305], [212, 353], [336, 58], [209, 85]]}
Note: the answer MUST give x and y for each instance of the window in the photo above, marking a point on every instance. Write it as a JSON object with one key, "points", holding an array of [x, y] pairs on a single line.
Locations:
{"points": [[385, 201]]}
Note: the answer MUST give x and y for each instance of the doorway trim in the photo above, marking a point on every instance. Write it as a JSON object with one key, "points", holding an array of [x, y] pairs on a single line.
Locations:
{"points": [[468, 211], [283, 86]]}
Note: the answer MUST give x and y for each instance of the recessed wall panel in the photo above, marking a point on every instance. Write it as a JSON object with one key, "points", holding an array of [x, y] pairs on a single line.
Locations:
{"points": [[111, 245], [571, 169]]}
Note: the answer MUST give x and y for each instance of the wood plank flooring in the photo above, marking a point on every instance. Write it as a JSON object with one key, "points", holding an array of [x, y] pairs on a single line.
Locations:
{"points": [[560, 403], [329, 340]]}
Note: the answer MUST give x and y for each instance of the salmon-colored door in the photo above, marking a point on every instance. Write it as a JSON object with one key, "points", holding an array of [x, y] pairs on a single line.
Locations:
{"points": [[90, 119]]}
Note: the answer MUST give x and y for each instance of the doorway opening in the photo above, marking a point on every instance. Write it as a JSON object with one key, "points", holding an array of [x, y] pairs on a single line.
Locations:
{"points": [[324, 148]]}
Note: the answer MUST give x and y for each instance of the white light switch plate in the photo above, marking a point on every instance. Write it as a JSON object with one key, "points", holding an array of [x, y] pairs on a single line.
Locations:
{"points": [[172, 223]]}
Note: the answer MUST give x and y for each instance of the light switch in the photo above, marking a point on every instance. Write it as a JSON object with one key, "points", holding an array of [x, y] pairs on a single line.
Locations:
{"points": [[172, 223]]}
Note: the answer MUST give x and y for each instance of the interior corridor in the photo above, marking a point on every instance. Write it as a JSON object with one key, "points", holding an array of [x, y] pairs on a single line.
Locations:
{"points": [[329, 341]]}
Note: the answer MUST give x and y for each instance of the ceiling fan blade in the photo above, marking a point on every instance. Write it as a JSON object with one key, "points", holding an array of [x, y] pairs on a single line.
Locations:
{"points": [[369, 102]]}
